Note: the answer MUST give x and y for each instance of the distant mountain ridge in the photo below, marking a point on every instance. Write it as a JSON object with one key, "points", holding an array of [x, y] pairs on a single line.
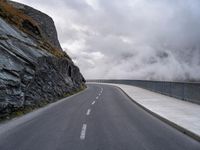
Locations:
{"points": [[33, 67]]}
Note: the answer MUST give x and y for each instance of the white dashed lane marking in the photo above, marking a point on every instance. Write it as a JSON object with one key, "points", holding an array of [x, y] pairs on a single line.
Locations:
{"points": [[83, 132], [88, 112], [84, 127]]}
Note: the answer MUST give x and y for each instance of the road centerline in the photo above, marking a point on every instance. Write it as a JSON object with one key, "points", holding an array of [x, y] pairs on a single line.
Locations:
{"points": [[88, 112], [83, 132]]}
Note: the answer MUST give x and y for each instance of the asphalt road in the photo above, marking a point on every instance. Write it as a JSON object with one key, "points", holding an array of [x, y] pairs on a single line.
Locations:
{"points": [[100, 118]]}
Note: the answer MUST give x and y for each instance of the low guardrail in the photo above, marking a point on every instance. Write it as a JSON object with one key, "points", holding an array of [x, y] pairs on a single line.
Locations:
{"points": [[187, 91]]}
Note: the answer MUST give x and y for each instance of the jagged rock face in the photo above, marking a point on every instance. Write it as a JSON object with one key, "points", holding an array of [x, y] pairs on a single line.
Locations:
{"points": [[29, 73], [44, 21]]}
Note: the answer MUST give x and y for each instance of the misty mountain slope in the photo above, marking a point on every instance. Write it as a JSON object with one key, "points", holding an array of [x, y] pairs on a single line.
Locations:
{"points": [[33, 68], [129, 39], [157, 40]]}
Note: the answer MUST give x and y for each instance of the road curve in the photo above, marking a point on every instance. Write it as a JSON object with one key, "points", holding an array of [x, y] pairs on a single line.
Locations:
{"points": [[100, 118]]}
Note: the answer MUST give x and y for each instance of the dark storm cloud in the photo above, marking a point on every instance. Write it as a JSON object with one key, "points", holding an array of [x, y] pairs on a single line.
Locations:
{"points": [[138, 39]]}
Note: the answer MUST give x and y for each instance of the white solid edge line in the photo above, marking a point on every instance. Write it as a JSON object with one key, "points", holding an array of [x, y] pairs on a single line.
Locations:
{"points": [[88, 112], [83, 132]]}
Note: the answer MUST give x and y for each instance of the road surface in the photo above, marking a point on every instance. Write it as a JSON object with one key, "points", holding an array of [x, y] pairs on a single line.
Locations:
{"points": [[100, 118]]}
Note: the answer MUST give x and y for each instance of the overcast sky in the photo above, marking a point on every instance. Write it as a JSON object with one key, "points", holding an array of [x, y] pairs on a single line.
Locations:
{"points": [[134, 39]]}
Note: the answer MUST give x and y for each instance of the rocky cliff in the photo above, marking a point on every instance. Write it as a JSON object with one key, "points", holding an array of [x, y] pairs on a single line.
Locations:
{"points": [[33, 67]]}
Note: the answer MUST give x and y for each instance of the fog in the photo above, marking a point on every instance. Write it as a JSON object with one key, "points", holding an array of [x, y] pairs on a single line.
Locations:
{"points": [[129, 39]]}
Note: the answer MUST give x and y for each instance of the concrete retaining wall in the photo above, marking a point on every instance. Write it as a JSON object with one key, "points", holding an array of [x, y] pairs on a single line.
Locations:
{"points": [[182, 90]]}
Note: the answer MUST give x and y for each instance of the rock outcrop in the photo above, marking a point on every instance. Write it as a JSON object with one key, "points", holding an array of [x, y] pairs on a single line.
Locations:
{"points": [[33, 67]]}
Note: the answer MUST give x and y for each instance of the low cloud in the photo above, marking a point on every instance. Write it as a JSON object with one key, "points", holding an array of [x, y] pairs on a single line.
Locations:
{"points": [[134, 39]]}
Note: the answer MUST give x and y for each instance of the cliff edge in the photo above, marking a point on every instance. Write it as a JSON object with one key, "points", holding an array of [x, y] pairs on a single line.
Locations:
{"points": [[33, 67]]}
